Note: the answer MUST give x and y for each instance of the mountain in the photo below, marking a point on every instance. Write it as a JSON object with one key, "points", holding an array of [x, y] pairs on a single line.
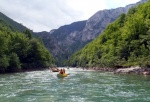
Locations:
{"points": [[20, 51], [50, 42], [125, 42], [67, 39], [12, 23], [19, 27], [13, 26], [99, 21], [70, 38], [61, 42]]}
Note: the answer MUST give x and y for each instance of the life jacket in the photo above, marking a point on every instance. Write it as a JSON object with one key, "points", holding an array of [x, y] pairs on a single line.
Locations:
{"points": [[61, 71]]}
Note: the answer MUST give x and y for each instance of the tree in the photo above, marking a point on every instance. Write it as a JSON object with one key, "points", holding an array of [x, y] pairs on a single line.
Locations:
{"points": [[28, 33], [14, 63], [4, 63]]}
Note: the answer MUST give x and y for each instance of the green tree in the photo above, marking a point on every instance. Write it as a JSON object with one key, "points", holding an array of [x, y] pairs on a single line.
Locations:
{"points": [[28, 33], [14, 63], [4, 63]]}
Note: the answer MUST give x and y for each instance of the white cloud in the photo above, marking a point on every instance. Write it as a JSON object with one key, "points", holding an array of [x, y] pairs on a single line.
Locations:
{"points": [[44, 15]]}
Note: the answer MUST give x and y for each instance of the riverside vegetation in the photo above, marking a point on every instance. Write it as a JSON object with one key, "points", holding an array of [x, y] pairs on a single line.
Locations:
{"points": [[19, 51], [124, 43]]}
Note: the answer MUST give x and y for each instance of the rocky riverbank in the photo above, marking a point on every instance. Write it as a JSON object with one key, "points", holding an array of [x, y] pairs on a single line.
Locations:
{"points": [[128, 70], [133, 70], [100, 69]]}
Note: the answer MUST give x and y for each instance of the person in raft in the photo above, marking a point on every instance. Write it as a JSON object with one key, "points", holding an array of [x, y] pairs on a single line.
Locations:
{"points": [[62, 71]]}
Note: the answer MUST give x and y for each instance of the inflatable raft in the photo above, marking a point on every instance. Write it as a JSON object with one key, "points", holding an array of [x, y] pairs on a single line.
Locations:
{"points": [[62, 75]]}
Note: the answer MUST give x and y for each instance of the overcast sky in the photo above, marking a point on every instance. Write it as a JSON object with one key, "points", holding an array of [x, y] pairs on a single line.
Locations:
{"points": [[44, 15]]}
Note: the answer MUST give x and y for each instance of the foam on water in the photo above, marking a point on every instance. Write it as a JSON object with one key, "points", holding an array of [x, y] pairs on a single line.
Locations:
{"points": [[80, 86]]}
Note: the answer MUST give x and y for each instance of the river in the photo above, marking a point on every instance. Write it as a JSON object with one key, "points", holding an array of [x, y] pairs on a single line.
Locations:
{"points": [[79, 86]]}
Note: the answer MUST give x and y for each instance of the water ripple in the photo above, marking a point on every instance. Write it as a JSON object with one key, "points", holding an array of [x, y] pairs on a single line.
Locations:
{"points": [[79, 86]]}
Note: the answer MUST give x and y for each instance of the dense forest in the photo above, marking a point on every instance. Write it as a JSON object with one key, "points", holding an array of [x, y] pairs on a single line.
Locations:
{"points": [[125, 42], [19, 51]]}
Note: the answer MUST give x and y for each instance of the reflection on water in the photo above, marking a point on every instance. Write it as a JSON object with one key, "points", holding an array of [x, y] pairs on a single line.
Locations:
{"points": [[79, 86]]}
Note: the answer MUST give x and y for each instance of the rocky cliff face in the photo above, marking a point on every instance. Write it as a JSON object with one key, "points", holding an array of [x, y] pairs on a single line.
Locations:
{"points": [[98, 22], [70, 38]]}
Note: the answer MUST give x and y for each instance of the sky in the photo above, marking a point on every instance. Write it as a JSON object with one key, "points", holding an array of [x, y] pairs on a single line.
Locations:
{"points": [[45, 15]]}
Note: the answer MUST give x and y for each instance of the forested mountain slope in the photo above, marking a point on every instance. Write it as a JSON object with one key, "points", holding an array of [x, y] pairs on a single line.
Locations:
{"points": [[12, 23], [125, 42], [19, 51]]}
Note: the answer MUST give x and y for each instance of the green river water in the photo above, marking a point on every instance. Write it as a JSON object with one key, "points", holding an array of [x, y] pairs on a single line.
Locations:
{"points": [[79, 86]]}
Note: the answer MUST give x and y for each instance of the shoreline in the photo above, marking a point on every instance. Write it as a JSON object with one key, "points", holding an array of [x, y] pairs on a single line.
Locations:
{"points": [[24, 70], [126, 70], [100, 69]]}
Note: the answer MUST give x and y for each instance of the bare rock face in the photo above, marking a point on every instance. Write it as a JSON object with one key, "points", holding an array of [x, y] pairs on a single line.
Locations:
{"points": [[99, 21], [135, 69]]}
